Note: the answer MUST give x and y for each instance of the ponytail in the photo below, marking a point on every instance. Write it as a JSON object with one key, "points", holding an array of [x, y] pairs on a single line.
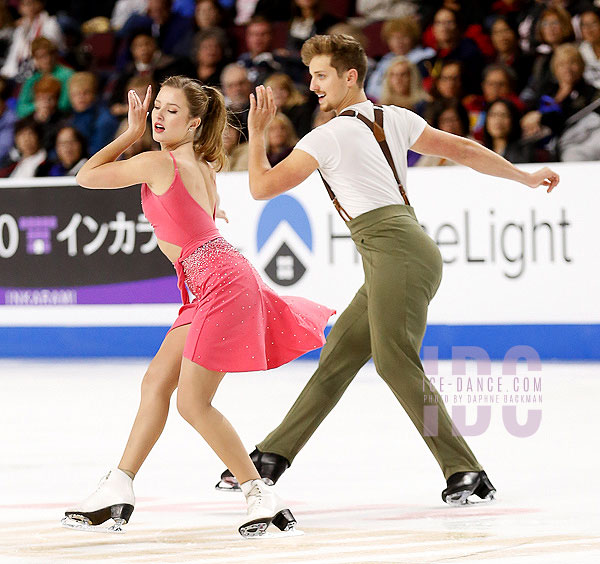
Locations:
{"points": [[208, 104], [208, 140]]}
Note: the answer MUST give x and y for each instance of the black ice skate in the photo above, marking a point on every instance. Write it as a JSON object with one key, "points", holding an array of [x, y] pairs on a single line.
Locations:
{"points": [[270, 466], [113, 499], [461, 485]]}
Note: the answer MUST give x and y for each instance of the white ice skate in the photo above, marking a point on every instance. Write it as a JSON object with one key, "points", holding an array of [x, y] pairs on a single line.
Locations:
{"points": [[113, 499], [265, 507]]}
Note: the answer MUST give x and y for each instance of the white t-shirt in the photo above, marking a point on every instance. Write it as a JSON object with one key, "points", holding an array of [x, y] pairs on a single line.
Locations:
{"points": [[591, 74], [352, 161]]}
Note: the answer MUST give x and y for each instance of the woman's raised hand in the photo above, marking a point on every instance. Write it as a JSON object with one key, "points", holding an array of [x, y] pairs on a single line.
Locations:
{"points": [[262, 110], [138, 112]]}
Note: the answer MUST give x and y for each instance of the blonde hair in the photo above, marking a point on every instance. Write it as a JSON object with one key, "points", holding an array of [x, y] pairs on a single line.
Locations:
{"points": [[282, 80], [566, 51], [83, 79], [406, 26], [208, 104], [291, 138], [346, 53], [416, 92]]}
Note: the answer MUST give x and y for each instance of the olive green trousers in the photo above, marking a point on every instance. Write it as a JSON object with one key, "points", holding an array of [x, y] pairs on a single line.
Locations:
{"points": [[386, 320]]}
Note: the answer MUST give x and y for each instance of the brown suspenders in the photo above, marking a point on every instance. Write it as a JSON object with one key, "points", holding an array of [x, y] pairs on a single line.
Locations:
{"points": [[377, 129]]}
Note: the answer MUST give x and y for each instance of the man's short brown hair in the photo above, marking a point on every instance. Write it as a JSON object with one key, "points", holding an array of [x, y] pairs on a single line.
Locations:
{"points": [[346, 53]]}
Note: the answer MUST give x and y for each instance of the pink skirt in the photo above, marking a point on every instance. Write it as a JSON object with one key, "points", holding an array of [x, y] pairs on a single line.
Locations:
{"points": [[238, 323]]}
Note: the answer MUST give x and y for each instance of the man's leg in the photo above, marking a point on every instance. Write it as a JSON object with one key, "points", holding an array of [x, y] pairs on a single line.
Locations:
{"points": [[346, 350], [403, 270]]}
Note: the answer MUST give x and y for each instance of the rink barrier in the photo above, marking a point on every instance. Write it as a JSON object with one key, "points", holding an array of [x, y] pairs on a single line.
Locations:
{"points": [[551, 342], [80, 274]]}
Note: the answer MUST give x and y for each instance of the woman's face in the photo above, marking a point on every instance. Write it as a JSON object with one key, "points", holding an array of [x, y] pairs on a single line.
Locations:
{"points": [[503, 37], [568, 69], [449, 83], [209, 51], [30, 8], [590, 27], [27, 142], [449, 121], [445, 29], [231, 136], [171, 116], [399, 79], [498, 121], [551, 30], [45, 105], [280, 95], [206, 15], [495, 85], [277, 134], [68, 147], [399, 43], [43, 60], [82, 96], [306, 4]]}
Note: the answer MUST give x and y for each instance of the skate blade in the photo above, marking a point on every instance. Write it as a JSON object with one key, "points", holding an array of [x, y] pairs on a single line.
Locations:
{"points": [[77, 525], [224, 486], [279, 535], [464, 498]]}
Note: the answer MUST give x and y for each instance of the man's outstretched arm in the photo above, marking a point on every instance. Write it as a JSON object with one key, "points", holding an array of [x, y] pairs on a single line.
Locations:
{"points": [[469, 153], [267, 182]]}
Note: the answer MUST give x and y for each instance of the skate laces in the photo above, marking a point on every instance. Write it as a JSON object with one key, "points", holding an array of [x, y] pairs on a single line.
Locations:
{"points": [[254, 497], [102, 480]]}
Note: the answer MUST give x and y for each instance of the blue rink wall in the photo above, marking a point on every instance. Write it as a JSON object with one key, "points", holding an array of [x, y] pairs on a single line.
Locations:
{"points": [[81, 274], [551, 342]]}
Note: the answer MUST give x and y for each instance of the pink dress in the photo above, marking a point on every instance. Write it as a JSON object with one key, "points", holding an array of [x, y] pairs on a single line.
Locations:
{"points": [[238, 323]]}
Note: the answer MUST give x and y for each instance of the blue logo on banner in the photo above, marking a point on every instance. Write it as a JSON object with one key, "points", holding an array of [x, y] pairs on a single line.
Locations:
{"points": [[284, 268]]}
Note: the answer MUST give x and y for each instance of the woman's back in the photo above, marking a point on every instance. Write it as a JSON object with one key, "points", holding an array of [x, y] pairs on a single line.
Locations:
{"points": [[182, 214]]}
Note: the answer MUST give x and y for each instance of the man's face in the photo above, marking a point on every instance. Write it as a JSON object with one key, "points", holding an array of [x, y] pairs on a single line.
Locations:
{"points": [[142, 49], [209, 51], [159, 10], [258, 38], [237, 87], [326, 84]]}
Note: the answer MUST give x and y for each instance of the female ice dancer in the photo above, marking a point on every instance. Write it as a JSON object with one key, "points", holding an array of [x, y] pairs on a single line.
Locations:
{"points": [[235, 323]]}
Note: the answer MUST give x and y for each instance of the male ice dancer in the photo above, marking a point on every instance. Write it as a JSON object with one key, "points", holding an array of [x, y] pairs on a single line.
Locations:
{"points": [[361, 155]]}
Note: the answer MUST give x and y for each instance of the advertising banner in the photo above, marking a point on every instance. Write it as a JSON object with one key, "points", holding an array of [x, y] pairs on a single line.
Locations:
{"points": [[520, 266], [63, 245]]}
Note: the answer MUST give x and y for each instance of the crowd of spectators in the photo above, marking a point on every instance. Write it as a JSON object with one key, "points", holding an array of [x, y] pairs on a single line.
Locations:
{"points": [[521, 77]]}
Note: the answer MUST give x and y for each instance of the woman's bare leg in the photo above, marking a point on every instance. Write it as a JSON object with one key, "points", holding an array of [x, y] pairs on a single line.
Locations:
{"points": [[158, 385], [197, 387]]}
